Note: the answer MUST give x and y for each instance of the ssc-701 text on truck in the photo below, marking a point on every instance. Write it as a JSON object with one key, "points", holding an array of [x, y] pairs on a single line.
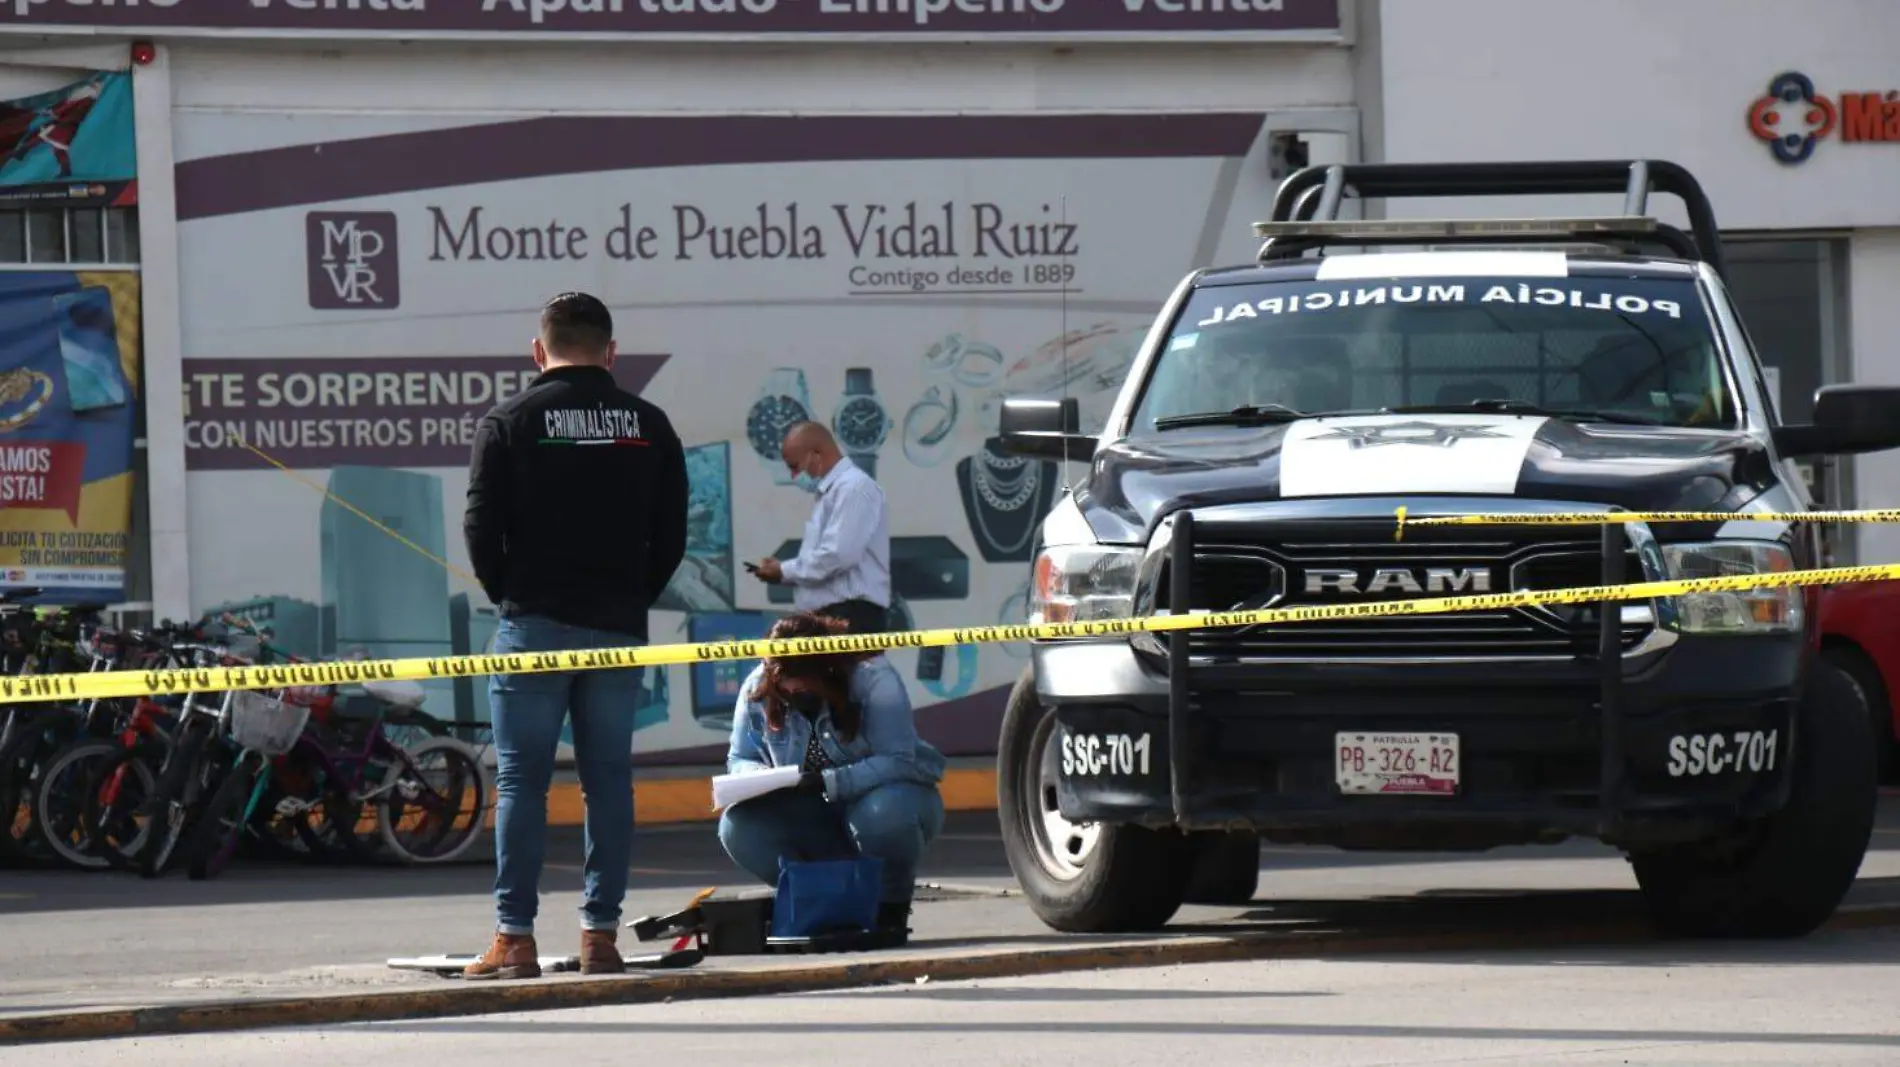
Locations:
{"points": [[1277, 417]]}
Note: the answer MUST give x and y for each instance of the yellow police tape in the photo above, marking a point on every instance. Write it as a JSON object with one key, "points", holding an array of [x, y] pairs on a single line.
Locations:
{"points": [[1599, 518], [107, 684]]}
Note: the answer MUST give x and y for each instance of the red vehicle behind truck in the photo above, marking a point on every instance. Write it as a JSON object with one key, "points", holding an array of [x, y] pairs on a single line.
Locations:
{"points": [[1860, 633]]}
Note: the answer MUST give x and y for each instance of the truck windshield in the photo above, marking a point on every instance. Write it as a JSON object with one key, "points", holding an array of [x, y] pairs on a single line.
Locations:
{"points": [[1625, 349]]}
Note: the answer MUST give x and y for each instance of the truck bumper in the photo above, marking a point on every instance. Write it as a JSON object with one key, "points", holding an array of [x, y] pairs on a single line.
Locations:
{"points": [[1259, 752]]}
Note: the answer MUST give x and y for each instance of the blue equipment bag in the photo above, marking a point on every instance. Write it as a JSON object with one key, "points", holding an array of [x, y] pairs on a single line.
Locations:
{"points": [[827, 896]]}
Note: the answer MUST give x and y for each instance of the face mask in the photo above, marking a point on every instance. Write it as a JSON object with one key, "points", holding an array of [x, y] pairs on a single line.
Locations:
{"points": [[805, 702], [805, 481]]}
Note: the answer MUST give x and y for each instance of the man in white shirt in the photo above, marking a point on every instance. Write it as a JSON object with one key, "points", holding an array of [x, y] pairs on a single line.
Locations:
{"points": [[843, 567]]}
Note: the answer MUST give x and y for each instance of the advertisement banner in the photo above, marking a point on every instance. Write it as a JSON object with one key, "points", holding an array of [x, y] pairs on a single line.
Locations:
{"points": [[892, 277], [72, 145], [701, 19], [69, 382]]}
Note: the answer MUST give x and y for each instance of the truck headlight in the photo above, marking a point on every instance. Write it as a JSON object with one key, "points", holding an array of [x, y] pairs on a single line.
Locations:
{"points": [[1776, 610], [1080, 583]]}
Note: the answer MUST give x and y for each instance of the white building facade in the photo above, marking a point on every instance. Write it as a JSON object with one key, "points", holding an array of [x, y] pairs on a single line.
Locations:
{"points": [[1791, 124], [885, 214]]}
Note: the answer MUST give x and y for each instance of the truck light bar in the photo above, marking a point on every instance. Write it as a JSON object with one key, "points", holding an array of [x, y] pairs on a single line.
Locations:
{"points": [[1373, 229]]}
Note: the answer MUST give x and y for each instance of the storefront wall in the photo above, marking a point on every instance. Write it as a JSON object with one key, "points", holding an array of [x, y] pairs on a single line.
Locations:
{"points": [[1502, 79], [365, 234]]}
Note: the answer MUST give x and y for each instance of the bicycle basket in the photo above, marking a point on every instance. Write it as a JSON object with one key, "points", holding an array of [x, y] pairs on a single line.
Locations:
{"points": [[266, 725]]}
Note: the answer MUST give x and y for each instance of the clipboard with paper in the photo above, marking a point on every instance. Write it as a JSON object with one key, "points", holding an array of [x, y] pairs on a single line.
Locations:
{"points": [[730, 789]]}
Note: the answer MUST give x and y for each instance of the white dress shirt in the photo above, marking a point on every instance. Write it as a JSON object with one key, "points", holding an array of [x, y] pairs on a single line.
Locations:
{"points": [[846, 553]]}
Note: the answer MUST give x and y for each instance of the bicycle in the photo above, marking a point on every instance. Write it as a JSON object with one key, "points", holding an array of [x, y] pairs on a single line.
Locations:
{"points": [[347, 740], [90, 790], [59, 640], [185, 777], [263, 728]]}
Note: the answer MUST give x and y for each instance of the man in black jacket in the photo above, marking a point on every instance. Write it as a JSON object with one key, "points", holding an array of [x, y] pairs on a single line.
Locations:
{"points": [[576, 521]]}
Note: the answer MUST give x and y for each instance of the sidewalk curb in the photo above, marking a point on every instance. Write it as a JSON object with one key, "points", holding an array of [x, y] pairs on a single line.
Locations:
{"points": [[458, 998]]}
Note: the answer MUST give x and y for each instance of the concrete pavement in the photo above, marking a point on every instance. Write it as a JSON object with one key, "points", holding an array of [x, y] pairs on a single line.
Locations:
{"points": [[1828, 1000], [268, 932]]}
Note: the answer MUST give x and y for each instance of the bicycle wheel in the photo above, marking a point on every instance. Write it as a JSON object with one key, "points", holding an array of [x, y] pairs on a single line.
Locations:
{"points": [[434, 802], [20, 768], [116, 812], [176, 793], [213, 836], [72, 776]]}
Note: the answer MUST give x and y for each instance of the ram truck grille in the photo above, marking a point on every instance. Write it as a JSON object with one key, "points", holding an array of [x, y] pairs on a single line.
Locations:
{"points": [[1244, 576]]}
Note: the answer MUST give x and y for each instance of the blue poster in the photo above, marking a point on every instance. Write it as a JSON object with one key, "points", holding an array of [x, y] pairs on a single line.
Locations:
{"points": [[73, 144], [69, 381]]}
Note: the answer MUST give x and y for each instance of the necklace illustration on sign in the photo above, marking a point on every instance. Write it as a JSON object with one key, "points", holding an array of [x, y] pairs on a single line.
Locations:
{"points": [[1004, 497]]}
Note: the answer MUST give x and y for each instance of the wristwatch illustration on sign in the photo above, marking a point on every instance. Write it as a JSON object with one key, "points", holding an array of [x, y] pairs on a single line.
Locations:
{"points": [[783, 400], [861, 423], [1004, 498], [930, 662]]}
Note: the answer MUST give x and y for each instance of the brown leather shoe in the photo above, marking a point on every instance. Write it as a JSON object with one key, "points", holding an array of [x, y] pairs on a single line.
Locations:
{"points": [[509, 957], [600, 954]]}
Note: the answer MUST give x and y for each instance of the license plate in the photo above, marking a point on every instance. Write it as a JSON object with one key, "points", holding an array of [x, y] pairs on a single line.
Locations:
{"points": [[1397, 764]]}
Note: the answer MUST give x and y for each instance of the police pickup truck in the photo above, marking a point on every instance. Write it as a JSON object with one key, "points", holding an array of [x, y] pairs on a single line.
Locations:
{"points": [[1278, 416]]}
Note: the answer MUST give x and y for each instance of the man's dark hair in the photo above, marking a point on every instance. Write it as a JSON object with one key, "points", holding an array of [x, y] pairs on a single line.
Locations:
{"points": [[576, 325]]}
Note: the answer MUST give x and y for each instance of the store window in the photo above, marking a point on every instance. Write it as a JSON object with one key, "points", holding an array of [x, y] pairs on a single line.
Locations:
{"points": [[1792, 293], [76, 236]]}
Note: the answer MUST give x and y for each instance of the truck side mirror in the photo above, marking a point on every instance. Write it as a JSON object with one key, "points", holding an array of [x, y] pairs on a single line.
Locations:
{"points": [[1848, 419], [1047, 429]]}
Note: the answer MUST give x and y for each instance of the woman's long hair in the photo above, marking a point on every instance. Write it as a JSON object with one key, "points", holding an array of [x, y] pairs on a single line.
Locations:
{"points": [[829, 673]]}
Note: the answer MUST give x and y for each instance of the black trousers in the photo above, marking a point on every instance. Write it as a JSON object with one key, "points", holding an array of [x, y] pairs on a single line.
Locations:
{"points": [[861, 616]]}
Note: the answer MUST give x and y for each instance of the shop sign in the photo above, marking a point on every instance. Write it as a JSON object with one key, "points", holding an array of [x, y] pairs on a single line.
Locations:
{"points": [[1794, 119], [691, 19]]}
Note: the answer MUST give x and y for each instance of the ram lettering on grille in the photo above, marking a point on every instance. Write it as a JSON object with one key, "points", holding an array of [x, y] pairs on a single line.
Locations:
{"points": [[1353, 582]]}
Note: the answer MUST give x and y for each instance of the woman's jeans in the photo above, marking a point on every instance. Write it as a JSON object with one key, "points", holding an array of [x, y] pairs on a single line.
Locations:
{"points": [[894, 823], [528, 711]]}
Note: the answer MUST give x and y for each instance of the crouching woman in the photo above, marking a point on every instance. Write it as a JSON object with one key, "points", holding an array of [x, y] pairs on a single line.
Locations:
{"points": [[870, 784]]}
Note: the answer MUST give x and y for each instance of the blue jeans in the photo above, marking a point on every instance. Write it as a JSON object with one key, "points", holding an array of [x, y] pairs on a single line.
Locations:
{"points": [[528, 711], [894, 823]]}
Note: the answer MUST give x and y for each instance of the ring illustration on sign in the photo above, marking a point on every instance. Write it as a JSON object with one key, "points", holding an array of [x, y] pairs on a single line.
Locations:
{"points": [[928, 425], [22, 384], [940, 357], [969, 363]]}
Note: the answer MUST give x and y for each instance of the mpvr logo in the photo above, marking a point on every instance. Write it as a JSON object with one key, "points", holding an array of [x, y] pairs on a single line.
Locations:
{"points": [[352, 256]]}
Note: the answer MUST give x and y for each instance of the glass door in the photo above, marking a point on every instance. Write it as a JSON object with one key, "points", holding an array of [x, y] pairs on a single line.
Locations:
{"points": [[1792, 293]]}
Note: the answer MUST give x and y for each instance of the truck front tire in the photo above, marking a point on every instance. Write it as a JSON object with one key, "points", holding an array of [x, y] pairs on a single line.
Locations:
{"points": [[1093, 878], [1783, 875]]}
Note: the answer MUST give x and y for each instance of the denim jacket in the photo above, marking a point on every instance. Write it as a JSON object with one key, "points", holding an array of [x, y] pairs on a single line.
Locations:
{"points": [[886, 748]]}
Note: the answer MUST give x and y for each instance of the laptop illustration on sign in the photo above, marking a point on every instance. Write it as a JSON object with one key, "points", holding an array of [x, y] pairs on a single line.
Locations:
{"points": [[716, 684]]}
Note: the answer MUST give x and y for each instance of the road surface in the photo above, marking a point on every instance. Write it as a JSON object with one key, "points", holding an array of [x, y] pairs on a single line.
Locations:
{"points": [[102, 939], [1828, 1000]]}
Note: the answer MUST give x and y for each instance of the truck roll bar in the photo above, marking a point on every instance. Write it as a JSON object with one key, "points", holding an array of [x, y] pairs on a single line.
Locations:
{"points": [[1316, 193]]}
